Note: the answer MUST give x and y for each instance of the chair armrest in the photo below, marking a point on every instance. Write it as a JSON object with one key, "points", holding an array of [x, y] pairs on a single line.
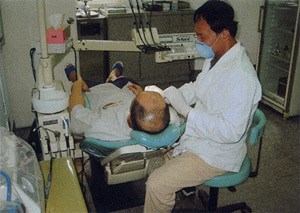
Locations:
{"points": [[126, 150], [102, 148]]}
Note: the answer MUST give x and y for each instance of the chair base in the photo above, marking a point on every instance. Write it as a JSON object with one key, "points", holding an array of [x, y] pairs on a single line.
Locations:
{"points": [[210, 203], [234, 207]]}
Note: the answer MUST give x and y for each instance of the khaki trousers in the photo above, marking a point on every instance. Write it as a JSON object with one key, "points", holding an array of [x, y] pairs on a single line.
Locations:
{"points": [[186, 170]]}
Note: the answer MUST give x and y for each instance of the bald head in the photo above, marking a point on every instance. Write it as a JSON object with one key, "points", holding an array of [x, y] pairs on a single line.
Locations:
{"points": [[149, 113]]}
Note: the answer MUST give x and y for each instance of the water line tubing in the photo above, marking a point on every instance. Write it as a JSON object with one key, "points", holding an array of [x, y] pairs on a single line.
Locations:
{"points": [[8, 181]]}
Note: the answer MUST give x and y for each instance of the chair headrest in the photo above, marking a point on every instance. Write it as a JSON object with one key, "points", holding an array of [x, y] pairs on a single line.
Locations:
{"points": [[102, 148], [163, 139]]}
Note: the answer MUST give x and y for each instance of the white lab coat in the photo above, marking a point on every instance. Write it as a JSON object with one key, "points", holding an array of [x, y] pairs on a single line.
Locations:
{"points": [[107, 119], [225, 97]]}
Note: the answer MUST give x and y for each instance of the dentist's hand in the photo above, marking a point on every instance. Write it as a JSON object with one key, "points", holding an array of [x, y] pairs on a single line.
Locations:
{"points": [[175, 98]]}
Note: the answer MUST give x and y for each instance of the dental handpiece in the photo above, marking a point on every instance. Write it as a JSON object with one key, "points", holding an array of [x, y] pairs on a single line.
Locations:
{"points": [[67, 135]]}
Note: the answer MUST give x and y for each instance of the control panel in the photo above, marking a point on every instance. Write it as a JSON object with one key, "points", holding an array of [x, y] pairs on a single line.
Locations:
{"points": [[55, 131], [182, 47]]}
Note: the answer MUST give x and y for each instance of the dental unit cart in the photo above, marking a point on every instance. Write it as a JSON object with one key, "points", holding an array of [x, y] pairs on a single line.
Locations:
{"points": [[49, 99], [55, 137]]}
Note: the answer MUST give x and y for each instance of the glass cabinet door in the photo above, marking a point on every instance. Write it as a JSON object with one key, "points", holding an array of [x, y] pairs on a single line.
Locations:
{"points": [[277, 48]]}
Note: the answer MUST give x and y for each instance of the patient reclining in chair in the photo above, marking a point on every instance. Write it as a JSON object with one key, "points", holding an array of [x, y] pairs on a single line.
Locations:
{"points": [[116, 108]]}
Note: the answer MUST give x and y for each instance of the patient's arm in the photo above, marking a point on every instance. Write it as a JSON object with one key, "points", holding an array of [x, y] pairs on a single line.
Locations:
{"points": [[76, 97]]}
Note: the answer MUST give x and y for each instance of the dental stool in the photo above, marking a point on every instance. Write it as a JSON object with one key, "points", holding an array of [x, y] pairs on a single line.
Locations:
{"points": [[231, 179], [125, 161]]}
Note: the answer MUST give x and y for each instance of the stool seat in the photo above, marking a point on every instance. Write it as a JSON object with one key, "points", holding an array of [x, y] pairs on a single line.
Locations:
{"points": [[231, 178]]}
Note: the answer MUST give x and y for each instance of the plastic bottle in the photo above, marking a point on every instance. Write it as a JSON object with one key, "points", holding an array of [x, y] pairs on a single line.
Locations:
{"points": [[175, 5]]}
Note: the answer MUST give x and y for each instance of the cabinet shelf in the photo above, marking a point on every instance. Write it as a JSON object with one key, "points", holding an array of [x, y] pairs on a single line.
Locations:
{"points": [[279, 68], [284, 60], [273, 96], [279, 29]]}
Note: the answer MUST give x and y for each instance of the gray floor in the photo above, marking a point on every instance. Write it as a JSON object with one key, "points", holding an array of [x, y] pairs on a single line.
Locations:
{"points": [[277, 186]]}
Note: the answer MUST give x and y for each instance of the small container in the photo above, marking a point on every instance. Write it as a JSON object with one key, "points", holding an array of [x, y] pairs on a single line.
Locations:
{"points": [[166, 6], [175, 5]]}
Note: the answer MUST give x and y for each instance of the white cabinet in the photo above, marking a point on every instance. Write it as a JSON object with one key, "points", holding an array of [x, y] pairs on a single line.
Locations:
{"points": [[278, 66]]}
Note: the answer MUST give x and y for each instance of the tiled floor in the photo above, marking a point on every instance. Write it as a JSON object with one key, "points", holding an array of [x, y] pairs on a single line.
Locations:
{"points": [[275, 189]]}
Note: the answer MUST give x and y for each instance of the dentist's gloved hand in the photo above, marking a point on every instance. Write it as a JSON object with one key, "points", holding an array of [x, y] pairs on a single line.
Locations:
{"points": [[175, 98]]}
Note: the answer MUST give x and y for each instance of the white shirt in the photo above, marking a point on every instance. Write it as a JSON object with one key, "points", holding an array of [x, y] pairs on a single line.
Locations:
{"points": [[107, 118], [225, 97]]}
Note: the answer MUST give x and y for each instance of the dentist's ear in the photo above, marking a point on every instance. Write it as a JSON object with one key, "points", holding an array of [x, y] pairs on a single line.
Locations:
{"points": [[225, 34]]}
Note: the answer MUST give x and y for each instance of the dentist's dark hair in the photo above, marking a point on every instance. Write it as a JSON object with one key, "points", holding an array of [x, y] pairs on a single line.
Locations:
{"points": [[219, 15]]}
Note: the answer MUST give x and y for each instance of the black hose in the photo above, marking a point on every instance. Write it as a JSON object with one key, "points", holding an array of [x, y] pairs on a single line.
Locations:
{"points": [[75, 58], [141, 20], [148, 21], [32, 53], [137, 24]]}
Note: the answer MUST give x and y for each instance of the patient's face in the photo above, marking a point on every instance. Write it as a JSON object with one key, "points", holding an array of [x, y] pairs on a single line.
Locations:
{"points": [[151, 102]]}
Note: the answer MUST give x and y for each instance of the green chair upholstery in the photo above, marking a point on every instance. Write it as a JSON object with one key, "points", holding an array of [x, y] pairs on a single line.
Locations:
{"points": [[231, 179], [101, 148], [128, 160]]}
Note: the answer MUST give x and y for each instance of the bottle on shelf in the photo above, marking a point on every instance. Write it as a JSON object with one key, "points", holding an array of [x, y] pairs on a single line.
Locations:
{"points": [[175, 5]]}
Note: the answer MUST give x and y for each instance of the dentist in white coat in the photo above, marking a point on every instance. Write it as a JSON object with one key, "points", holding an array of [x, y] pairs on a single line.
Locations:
{"points": [[218, 107]]}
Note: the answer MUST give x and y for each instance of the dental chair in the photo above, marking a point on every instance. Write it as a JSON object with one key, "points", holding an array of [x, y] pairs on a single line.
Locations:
{"points": [[125, 161]]}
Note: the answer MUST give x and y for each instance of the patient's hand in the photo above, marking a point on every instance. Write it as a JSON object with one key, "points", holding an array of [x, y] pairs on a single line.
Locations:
{"points": [[136, 89], [85, 87], [76, 97]]}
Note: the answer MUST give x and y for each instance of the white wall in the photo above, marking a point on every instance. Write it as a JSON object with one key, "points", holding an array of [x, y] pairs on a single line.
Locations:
{"points": [[4, 100], [247, 14]]}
